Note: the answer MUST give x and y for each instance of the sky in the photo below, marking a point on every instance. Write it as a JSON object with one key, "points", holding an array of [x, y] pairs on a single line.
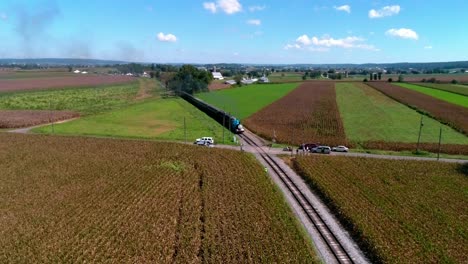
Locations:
{"points": [[236, 31]]}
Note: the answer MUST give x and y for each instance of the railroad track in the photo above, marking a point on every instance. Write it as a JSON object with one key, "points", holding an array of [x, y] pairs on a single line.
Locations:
{"points": [[334, 245]]}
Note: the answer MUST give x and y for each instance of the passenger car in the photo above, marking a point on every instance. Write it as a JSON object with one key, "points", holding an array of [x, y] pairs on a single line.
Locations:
{"points": [[321, 149], [340, 149]]}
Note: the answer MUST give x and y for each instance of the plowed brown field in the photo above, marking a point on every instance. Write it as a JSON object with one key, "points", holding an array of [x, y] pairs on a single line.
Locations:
{"points": [[307, 114], [25, 118], [61, 82], [453, 115]]}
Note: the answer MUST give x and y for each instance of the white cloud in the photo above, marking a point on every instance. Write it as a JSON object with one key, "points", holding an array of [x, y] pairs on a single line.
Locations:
{"points": [[227, 6], [345, 8], [256, 8], [230, 6], [404, 33], [166, 37], [326, 42], [255, 22], [385, 11], [292, 46], [3, 16], [427, 47], [210, 6]]}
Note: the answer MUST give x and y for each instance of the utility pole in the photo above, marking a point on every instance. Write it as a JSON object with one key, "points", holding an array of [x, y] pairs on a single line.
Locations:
{"points": [[440, 140], [419, 136], [185, 131], [51, 119], [292, 143], [230, 124], [224, 116]]}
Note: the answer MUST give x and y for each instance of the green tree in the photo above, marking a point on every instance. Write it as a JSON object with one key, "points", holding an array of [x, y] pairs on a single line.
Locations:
{"points": [[191, 80], [400, 78], [238, 79]]}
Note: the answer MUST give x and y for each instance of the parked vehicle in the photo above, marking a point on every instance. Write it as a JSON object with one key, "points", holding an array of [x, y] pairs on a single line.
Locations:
{"points": [[287, 149], [340, 149], [321, 149], [204, 141], [307, 146]]}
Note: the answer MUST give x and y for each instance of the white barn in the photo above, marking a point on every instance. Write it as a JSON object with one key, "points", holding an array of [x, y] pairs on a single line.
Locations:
{"points": [[217, 76]]}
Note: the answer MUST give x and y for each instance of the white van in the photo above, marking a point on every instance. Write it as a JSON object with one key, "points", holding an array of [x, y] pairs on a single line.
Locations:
{"points": [[204, 141]]}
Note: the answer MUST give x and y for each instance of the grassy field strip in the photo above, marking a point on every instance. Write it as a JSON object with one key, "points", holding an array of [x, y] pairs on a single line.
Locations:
{"points": [[369, 115], [457, 99], [84, 100], [88, 200], [403, 211], [244, 101], [453, 88], [153, 119]]}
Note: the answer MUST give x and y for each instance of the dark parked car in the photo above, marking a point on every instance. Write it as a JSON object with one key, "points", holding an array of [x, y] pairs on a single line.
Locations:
{"points": [[307, 146]]}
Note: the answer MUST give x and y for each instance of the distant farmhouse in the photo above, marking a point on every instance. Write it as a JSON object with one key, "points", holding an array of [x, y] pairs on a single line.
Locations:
{"points": [[264, 79], [217, 76]]}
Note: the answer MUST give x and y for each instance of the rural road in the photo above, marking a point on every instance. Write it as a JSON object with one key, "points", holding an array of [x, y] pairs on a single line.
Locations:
{"points": [[279, 151], [26, 130]]}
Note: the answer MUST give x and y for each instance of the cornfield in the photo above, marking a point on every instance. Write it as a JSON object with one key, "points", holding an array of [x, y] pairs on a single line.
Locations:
{"points": [[399, 211], [70, 199]]}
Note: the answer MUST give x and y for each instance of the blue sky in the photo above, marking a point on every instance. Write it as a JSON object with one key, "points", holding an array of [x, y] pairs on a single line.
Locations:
{"points": [[236, 31]]}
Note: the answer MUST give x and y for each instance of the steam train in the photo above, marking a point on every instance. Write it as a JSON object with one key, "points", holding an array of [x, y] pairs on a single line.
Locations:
{"points": [[220, 116]]}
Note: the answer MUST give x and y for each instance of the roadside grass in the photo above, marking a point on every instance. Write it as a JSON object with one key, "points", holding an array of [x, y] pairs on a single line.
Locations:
{"points": [[246, 100], [457, 99], [408, 153], [369, 115], [90, 100], [161, 119]]}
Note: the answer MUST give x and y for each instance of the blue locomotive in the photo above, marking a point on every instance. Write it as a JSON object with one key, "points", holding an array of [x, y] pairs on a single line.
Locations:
{"points": [[220, 116]]}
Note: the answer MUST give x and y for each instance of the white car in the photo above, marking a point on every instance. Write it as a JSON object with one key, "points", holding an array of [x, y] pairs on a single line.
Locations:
{"points": [[340, 149], [204, 141]]}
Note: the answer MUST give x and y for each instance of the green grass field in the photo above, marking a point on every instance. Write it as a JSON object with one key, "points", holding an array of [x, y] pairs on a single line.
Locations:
{"points": [[369, 115], [244, 101], [154, 119], [442, 95], [84, 100], [453, 88]]}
